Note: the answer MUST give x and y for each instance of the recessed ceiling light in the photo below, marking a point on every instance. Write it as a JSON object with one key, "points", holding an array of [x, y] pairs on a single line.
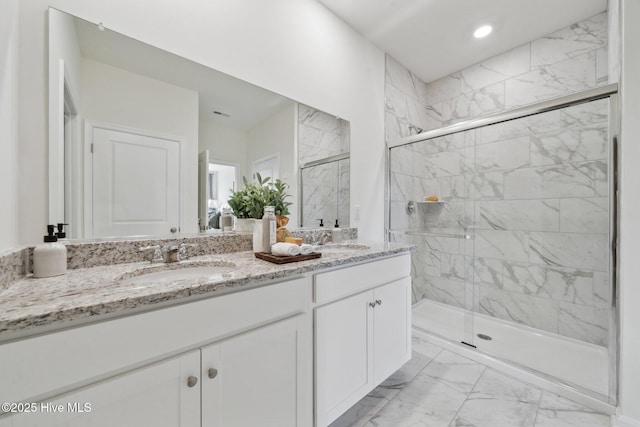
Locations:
{"points": [[483, 31]]}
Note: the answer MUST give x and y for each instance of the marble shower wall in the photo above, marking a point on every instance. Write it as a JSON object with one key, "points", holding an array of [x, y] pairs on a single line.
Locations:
{"points": [[325, 188], [569, 60], [535, 189]]}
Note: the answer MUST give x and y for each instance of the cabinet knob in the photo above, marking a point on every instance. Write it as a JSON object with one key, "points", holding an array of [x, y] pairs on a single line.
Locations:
{"points": [[192, 381], [379, 301], [213, 373], [372, 304]]}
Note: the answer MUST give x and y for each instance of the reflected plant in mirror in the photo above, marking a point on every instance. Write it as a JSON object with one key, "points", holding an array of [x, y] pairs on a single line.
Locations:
{"points": [[251, 200]]}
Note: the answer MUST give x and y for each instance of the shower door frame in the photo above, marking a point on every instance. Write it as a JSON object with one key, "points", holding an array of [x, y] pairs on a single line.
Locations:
{"points": [[609, 91]]}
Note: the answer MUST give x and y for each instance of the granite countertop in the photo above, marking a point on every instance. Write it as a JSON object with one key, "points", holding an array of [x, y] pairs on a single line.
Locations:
{"points": [[31, 305]]}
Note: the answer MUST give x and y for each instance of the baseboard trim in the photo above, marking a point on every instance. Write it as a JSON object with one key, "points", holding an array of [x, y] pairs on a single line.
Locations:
{"points": [[623, 421]]}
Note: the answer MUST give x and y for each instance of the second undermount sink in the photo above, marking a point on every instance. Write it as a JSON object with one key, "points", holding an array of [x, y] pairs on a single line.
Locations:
{"points": [[175, 272], [340, 248]]}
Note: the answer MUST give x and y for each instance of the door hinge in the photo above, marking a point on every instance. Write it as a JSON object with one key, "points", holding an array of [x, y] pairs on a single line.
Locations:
{"points": [[92, 148]]}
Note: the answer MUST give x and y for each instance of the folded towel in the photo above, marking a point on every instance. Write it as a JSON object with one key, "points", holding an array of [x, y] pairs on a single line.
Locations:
{"points": [[285, 249], [306, 249]]}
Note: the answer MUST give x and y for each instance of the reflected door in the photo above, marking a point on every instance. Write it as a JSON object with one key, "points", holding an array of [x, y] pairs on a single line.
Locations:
{"points": [[135, 184]]}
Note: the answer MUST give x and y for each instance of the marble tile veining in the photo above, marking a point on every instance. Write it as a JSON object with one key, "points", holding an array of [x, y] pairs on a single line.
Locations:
{"points": [[570, 41], [497, 69], [473, 396], [455, 371], [549, 81]]}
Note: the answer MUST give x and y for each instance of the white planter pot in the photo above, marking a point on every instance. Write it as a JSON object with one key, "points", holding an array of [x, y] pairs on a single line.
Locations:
{"points": [[245, 225]]}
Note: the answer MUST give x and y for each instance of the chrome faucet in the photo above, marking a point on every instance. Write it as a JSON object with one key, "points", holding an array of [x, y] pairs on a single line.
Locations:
{"points": [[171, 254], [168, 254]]}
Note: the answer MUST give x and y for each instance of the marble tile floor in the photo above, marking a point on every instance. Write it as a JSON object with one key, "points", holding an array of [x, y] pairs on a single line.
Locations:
{"points": [[438, 388]]}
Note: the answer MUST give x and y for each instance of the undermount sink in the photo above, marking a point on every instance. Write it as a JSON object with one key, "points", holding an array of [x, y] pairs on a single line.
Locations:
{"points": [[175, 272], [340, 248]]}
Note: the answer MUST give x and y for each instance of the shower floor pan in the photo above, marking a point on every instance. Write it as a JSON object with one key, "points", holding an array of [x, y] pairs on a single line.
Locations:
{"points": [[573, 361]]}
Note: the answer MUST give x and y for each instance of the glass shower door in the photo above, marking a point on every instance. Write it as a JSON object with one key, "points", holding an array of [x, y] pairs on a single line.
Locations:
{"points": [[514, 257], [542, 251], [431, 196]]}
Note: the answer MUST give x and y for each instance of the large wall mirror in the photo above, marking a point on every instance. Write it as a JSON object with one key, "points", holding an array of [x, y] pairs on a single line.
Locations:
{"points": [[144, 142]]}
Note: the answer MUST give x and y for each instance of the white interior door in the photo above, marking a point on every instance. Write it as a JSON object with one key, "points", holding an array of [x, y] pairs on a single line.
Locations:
{"points": [[135, 183]]}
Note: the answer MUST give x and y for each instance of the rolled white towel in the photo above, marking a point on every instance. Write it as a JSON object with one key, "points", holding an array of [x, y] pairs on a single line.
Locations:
{"points": [[306, 249], [285, 249]]}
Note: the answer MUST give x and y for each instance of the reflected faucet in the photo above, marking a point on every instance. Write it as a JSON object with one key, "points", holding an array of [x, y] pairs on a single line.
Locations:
{"points": [[168, 254]]}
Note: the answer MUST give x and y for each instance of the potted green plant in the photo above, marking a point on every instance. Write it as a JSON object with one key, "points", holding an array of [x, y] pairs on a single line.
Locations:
{"points": [[249, 202]]}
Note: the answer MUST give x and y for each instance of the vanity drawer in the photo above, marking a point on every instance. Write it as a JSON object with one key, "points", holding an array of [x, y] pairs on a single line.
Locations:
{"points": [[335, 284]]}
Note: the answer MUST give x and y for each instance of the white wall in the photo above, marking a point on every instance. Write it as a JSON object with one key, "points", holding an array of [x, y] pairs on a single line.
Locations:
{"points": [[276, 135], [8, 123], [293, 47], [629, 214], [115, 96], [224, 144]]}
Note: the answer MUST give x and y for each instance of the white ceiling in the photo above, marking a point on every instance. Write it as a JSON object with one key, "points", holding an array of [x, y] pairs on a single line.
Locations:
{"points": [[434, 38]]}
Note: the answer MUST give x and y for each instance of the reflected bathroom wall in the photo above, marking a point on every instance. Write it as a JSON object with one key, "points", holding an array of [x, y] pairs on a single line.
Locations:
{"points": [[323, 149]]}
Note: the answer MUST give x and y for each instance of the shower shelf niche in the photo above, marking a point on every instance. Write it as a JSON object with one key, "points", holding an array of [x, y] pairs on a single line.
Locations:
{"points": [[411, 205]]}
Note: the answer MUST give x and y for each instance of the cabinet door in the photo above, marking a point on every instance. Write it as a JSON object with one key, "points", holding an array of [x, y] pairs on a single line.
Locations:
{"points": [[342, 349], [392, 328], [253, 379], [155, 395]]}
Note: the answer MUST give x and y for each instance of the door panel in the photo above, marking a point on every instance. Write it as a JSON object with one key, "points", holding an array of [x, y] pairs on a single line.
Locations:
{"points": [[136, 184], [157, 395], [343, 345], [255, 381], [391, 325]]}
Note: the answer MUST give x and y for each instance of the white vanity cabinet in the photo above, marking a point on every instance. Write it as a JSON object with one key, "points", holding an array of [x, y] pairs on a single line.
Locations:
{"points": [[252, 380], [158, 395], [158, 368], [298, 352], [362, 331]]}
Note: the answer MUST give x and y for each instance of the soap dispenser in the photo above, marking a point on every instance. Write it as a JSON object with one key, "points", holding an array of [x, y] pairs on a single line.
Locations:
{"points": [[61, 234], [49, 258]]}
